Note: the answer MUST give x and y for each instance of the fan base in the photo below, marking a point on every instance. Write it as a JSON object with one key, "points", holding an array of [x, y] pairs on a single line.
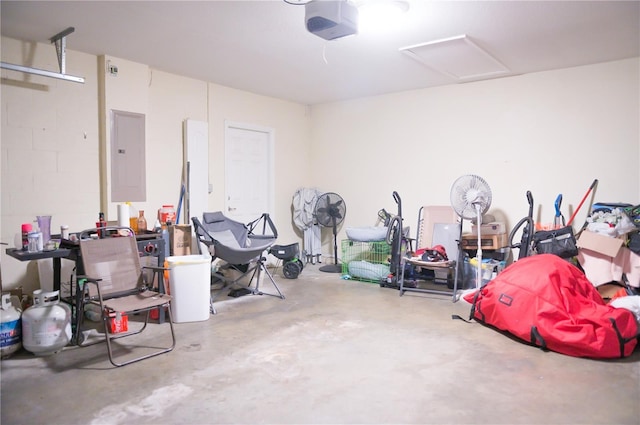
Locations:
{"points": [[331, 268]]}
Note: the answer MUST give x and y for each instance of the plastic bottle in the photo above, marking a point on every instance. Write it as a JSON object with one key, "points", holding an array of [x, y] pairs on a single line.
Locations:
{"points": [[64, 231], [142, 223], [133, 218]]}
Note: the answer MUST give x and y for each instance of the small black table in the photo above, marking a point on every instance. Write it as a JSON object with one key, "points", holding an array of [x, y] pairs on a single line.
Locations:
{"points": [[57, 255]]}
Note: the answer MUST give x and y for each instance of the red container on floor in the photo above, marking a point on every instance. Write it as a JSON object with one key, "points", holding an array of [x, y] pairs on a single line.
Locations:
{"points": [[118, 322]]}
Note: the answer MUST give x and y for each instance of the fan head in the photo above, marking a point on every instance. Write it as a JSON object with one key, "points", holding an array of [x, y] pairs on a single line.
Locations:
{"points": [[468, 194], [330, 209]]}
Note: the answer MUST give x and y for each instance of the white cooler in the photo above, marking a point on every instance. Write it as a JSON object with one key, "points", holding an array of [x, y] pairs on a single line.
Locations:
{"points": [[190, 287]]}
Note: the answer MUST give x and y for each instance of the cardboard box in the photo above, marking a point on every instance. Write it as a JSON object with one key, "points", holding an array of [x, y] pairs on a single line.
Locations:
{"points": [[609, 291], [493, 228], [601, 269], [180, 239], [601, 244], [490, 242]]}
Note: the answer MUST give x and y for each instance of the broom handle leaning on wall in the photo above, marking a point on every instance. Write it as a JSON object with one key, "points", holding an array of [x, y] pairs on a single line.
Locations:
{"points": [[591, 188]]}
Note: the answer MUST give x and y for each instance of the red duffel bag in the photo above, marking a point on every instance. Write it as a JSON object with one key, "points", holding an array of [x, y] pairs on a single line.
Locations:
{"points": [[548, 302]]}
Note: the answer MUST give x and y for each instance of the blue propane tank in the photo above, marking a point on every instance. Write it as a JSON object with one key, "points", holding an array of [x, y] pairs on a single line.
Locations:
{"points": [[10, 328]]}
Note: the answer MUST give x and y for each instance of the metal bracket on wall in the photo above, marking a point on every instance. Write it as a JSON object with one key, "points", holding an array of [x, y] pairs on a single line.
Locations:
{"points": [[61, 44]]}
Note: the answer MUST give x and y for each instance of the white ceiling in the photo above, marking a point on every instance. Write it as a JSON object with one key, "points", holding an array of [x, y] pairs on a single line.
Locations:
{"points": [[263, 46]]}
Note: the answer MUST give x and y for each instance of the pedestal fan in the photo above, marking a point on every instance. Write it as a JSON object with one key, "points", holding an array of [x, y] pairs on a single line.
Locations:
{"points": [[329, 212], [471, 198]]}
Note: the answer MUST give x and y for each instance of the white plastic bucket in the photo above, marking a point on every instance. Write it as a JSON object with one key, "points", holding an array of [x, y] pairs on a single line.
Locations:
{"points": [[190, 287]]}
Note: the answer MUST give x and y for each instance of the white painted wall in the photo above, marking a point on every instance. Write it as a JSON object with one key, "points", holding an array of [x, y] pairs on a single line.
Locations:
{"points": [[549, 132], [511, 131], [127, 91], [74, 196], [166, 100], [49, 148], [291, 123], [172, 99]]}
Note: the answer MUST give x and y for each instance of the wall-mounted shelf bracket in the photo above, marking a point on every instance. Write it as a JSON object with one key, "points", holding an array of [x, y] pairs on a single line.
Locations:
{"points": [[61, 44]]}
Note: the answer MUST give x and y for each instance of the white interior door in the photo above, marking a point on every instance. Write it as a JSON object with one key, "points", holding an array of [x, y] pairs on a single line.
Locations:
{"points": [[248, 171]]}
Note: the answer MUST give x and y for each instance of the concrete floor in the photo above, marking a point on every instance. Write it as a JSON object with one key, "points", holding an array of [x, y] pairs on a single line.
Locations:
{"points": [[334, 352]]}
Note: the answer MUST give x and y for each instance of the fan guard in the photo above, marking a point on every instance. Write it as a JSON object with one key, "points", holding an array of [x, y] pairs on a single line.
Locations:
{"points": [[330, 211], [467, 193], [470, 198], [330, 206]]}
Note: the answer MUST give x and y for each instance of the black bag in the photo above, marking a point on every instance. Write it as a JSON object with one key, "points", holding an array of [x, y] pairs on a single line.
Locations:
{"points": [[634, 242], [560, 242]]}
